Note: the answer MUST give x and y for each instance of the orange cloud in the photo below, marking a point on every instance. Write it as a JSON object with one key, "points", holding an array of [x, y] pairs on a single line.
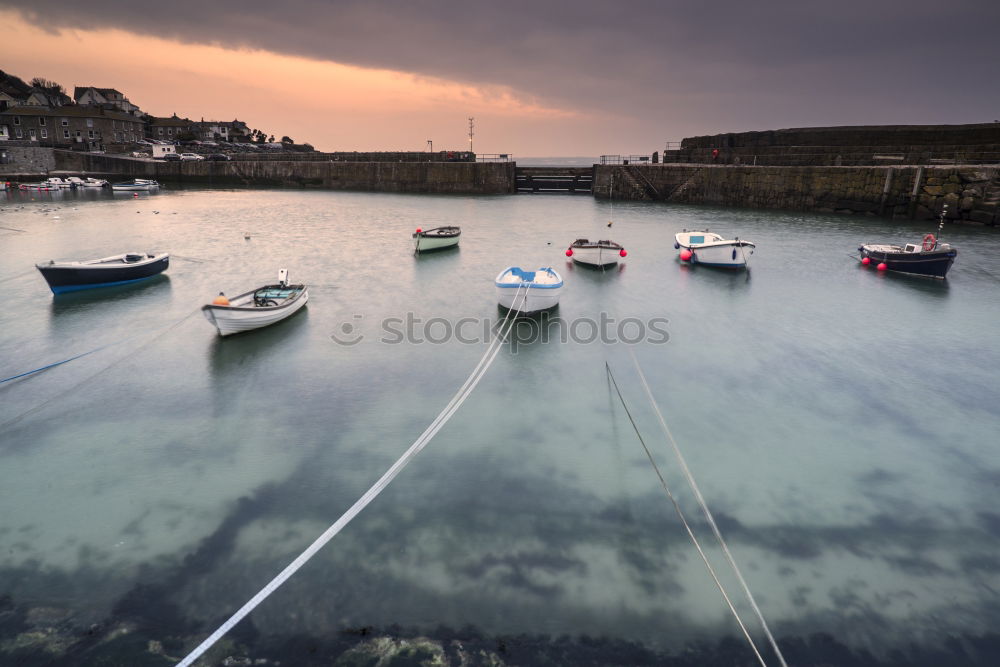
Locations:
{"points": [[337, 107]]}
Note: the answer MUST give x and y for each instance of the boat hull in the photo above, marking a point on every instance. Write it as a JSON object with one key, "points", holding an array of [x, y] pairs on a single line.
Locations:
{"points": [[229, 321], [933, 264], [723, 255], [528, 300], [64, 278], [596, 256], [428, 243]]}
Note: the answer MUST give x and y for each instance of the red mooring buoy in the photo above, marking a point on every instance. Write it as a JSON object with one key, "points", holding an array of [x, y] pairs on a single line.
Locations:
{"points": [[882, 266], [569, 252], [866, 261], [686, 254], [623, 253]]}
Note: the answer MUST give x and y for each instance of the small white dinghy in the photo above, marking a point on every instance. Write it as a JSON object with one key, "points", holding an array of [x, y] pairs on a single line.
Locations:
{"points": [[595, 253], [258, 308], [710, 249], [438, 238], [528, 291]]}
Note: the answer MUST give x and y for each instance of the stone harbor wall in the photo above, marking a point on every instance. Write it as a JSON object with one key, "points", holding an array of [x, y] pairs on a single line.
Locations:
{"points": [[431, 177], [972, 193], [16, 160]]}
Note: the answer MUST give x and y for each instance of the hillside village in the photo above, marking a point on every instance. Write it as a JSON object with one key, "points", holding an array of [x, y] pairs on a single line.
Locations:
{"points": [[104, 119]]}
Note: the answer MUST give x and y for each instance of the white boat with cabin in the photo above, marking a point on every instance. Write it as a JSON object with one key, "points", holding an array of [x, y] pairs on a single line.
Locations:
{"points": [[257, 308], [710, 249], [528, 291]]}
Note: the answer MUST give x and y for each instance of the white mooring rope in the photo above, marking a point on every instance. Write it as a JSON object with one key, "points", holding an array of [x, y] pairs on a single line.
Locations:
{"points": [[708, 514], [453, 405], [687, 527]]}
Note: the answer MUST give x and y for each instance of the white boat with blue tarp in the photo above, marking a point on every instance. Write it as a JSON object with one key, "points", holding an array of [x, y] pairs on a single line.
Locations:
{"points": [[528, 291], [257, 308]]}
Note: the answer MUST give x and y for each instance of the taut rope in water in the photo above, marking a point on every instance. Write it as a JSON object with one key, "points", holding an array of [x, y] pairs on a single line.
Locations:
{"points": [[687, 527], [456, 402], [705, 510]]}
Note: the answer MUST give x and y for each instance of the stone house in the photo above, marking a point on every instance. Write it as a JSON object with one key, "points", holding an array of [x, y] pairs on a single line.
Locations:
{"points": [[106, 97], [167, 129], [80, 127], [213, 130]]}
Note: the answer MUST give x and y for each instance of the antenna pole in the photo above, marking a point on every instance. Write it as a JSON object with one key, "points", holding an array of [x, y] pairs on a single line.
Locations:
{"points": [[472, 128]]}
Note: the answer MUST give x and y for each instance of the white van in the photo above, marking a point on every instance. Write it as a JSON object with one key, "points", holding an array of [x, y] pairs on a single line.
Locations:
{"points": [[159, 150]]}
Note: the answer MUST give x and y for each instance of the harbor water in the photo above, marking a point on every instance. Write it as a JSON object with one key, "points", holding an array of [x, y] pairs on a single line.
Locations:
{"points": [[841, 424]]}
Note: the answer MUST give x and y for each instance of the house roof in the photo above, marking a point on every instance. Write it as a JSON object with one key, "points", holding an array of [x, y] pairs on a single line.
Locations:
{"points": [[83, 111], [172, 121], [107, 93]]}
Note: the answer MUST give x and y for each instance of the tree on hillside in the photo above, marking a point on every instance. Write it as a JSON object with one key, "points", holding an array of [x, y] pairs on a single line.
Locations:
{"points": [[287, 140], [46, 84]]}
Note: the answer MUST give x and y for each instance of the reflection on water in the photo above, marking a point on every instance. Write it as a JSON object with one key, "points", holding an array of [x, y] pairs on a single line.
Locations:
{"points": [[851, 471], [155, 287]]}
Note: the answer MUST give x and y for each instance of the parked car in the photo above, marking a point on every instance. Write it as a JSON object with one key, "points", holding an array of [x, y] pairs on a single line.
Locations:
{"points": [[191, 156], [219, 157], [171, 157]]}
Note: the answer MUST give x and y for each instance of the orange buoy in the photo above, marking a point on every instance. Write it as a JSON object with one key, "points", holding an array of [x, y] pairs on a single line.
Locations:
{"points": [[220, 300]]}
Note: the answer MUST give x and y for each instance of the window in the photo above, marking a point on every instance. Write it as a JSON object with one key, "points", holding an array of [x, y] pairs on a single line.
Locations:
{"points": [[17, 133], [17, 121], [45, 133], [90, 134], [159, 131], [118, 137], [31, 133], [65, 134], [90, 122], [65, 122], [41, 121], [170, 130], [78, 134]]}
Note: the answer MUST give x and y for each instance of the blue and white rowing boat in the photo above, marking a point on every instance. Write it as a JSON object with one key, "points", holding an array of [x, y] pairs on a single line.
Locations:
{"points": [[528, 291]]}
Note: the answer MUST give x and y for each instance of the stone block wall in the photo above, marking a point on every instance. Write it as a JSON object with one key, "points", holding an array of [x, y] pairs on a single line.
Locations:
{"points": [[972, 193], [25, 159], [432, 177]]}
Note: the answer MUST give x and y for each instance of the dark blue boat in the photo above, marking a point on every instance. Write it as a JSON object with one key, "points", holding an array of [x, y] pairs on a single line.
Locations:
{"points": [[121, 269], [929, 258]]}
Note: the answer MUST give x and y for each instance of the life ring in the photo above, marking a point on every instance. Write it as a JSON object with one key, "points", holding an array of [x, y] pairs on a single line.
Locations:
{"points": [[929, 242]]}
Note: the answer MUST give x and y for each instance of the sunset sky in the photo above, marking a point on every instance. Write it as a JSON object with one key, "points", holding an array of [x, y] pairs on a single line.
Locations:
{"points": [[541, 78]]}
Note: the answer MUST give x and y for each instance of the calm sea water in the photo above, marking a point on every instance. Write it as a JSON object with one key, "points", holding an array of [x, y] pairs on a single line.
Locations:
{"points": [[841, 424]]}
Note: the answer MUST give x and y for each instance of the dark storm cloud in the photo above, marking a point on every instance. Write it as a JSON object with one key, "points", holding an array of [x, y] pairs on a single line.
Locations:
{"points": [[888, 61]]}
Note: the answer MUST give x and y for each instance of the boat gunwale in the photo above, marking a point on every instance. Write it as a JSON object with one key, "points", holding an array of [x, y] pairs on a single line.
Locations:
{"points": [[302, 289]]}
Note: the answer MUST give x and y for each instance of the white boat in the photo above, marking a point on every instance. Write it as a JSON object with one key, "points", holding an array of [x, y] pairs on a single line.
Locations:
{"points": [[56, 182], [438, 238], [710, 249], [41, 187], [528, 291], [257, 308], [76, 181], [595, 253], [137, 184], [90, 182]]}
